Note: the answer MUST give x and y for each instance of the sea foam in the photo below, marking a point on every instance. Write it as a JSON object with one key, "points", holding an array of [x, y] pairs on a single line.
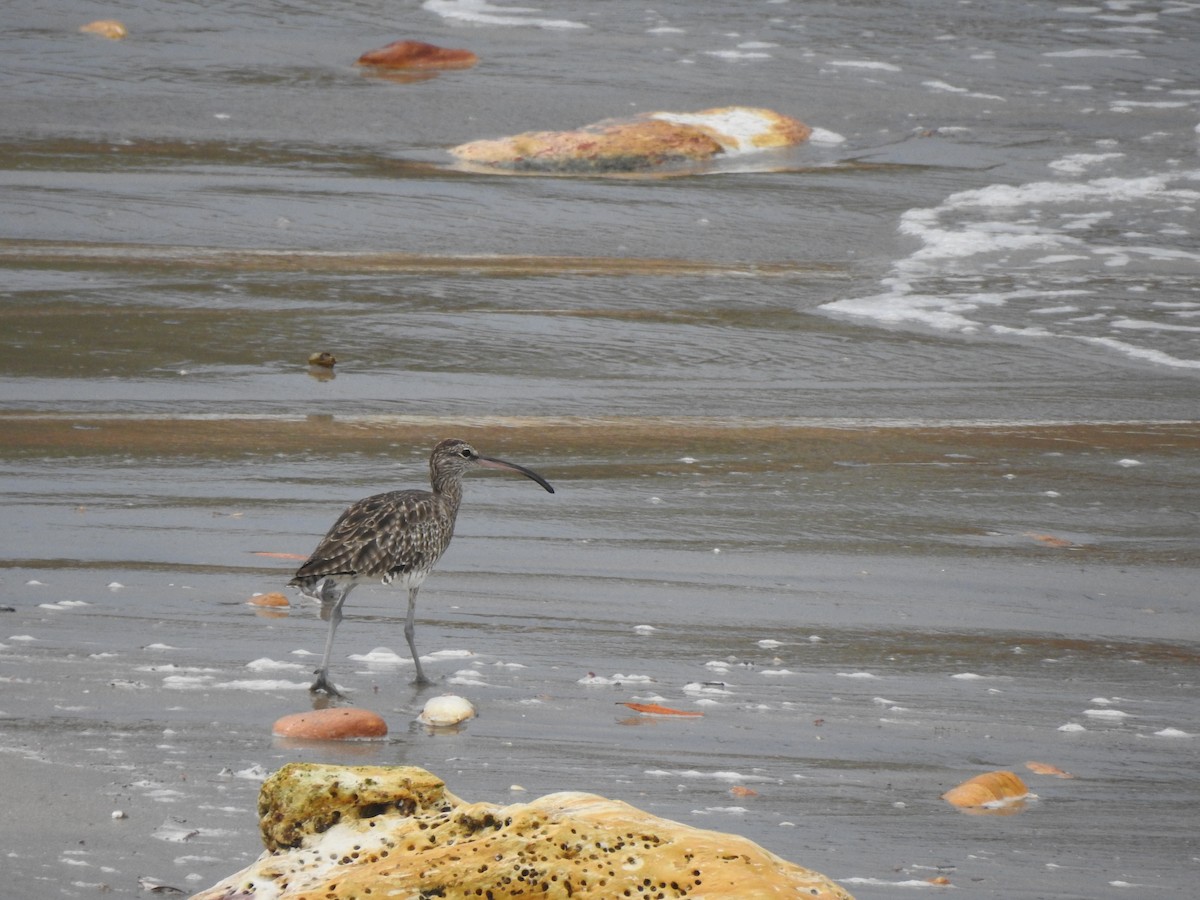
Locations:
{"points": [[481, 12], [988, 258]]}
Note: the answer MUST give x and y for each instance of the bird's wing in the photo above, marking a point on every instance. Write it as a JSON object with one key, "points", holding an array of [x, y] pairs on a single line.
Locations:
{"points": [[382, 536]]}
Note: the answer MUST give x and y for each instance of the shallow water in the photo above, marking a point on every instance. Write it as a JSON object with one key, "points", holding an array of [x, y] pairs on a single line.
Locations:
{"points": [[891, 441]]}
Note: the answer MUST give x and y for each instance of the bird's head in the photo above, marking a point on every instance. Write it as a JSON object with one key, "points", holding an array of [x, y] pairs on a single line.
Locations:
{"points": [[452, 458]]}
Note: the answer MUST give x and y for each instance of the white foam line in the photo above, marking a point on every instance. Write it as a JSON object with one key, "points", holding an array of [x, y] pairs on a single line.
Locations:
{"points": [[864, 64], [1095, 52], [1143, 353], [1142, 325], [731, 777], [481, 12], [1077, 162], [952, 89]]}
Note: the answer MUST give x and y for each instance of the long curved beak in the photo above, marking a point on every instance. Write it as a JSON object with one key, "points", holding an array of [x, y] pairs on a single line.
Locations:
{"points": [[488, 463]]}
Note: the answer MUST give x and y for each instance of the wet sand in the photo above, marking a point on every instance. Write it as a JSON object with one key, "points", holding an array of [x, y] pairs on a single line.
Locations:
{"points": [[850, 664]]}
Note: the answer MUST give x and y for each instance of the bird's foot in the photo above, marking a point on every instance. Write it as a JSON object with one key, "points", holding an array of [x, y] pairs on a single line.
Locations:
{"points": [[324, 686]]}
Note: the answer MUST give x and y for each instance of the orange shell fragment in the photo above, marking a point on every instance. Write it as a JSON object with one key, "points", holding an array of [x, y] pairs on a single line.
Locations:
{"points": [[1050, 540], [109, 28], [653, 709], [989, 789], [270, 600], [1046, 769]]}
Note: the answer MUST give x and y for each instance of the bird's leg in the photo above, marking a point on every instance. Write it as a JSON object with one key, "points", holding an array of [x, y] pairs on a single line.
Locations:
{"points": [[332, 598], [410, 630]]}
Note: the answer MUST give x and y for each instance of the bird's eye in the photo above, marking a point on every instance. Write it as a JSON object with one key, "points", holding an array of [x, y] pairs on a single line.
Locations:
{"points": [[465, 452]]}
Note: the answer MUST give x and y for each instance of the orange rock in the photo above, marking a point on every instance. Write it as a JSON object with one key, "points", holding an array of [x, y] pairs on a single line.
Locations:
{"points": [[417, 55], [273, 600], [343, 723], [994, 789], [109, 28]]}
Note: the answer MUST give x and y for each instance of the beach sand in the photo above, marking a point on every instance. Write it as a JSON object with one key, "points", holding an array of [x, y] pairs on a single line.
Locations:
{"points": [[846, 691]]}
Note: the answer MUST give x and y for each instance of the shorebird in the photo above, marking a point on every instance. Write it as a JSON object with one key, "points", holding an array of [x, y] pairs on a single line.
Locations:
{"points": [[392, 538]]}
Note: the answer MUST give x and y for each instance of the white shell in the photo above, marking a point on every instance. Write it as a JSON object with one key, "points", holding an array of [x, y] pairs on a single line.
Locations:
{"points": [[448, 709]]}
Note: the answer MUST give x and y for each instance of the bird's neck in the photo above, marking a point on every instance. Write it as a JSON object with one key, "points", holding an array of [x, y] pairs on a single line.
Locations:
{"points": [[449, 490]]}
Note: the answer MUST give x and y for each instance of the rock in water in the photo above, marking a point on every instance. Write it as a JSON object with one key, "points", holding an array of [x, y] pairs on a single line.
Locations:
{"points": [[999, 791], [271, 600], [338, 832], [341, 723], [448, 709], [418, 55], [646, 142]]}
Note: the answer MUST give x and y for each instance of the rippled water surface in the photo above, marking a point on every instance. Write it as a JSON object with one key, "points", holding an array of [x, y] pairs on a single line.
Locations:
{"points": [[887, 442]]}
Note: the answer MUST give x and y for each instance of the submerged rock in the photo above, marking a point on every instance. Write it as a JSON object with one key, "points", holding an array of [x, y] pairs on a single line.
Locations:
{"points": [[646, 142], [418, 55], [340, 832], [999, 792]]}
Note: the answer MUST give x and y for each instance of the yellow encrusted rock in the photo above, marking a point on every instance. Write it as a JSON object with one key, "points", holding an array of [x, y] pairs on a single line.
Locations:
{"points": [[302, 801], [339, 832], [643, 143]]}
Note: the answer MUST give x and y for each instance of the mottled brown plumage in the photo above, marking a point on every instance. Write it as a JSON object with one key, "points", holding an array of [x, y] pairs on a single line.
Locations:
{"points": [[396, 537]]}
